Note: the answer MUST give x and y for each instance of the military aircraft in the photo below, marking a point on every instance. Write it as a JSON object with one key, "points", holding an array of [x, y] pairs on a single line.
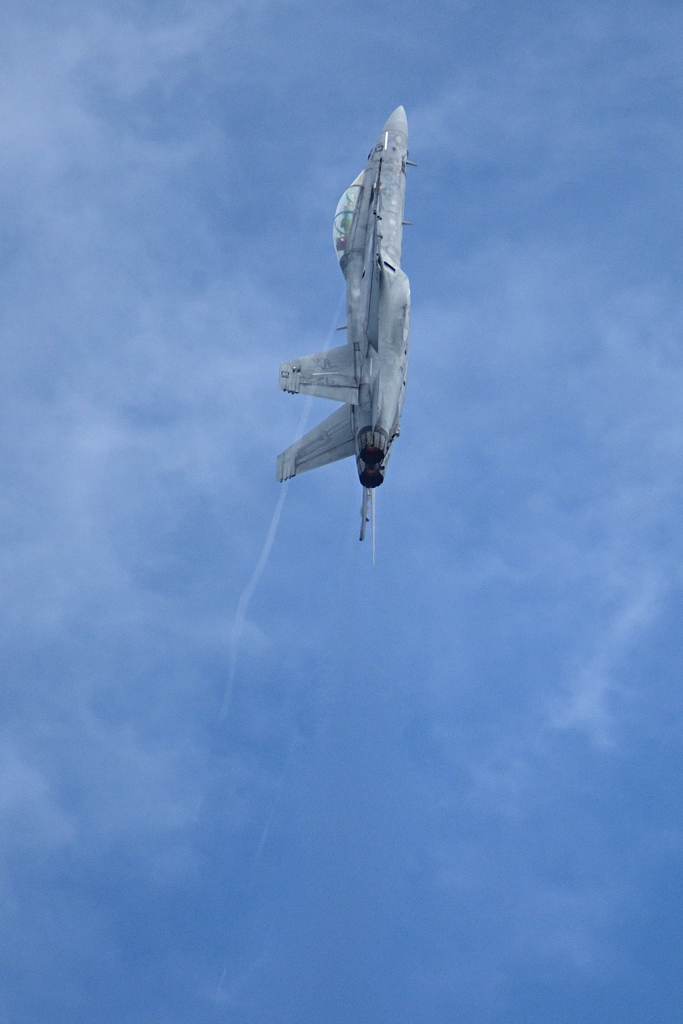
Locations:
{"points": [[368, 373]]}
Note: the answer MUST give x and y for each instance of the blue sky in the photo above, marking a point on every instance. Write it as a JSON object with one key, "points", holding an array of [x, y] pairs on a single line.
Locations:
{"points": [[444, 790]]}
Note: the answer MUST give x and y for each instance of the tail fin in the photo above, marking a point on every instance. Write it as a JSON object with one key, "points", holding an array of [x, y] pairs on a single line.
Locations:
{"points": [[329, 374], [331, 440]]}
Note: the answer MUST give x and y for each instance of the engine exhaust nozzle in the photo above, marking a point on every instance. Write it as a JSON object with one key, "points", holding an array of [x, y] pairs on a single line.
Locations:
{"points": [[373, 445]]}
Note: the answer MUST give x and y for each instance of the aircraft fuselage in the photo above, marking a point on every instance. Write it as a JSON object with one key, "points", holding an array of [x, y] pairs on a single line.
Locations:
{"points": [[368, 373], [378, 300]]}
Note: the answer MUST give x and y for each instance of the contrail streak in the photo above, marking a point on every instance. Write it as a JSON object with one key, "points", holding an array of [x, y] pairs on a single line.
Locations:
{"points": [[248, 592]]}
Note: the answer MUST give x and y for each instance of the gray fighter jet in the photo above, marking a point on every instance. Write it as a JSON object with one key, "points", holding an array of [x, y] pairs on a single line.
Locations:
{"points": [[368, 373]]}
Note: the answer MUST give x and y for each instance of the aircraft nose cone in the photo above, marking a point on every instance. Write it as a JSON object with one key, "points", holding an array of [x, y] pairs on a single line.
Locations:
{"points": [[397, 122]]}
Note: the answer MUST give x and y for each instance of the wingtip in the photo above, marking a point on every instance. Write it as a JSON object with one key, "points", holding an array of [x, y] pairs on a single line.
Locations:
{"points": [[285, 468]]}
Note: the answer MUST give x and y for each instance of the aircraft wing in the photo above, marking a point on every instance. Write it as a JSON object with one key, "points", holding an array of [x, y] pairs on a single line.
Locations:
{"points": [[331, 440], [329, 374]]}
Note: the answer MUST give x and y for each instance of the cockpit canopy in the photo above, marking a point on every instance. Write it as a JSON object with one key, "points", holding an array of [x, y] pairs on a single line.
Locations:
{"points": [[343, 218]]}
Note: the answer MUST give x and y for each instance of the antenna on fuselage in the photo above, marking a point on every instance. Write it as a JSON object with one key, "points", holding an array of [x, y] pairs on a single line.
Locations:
{"points": [[372, 505], [368, 498], [364, 512]]}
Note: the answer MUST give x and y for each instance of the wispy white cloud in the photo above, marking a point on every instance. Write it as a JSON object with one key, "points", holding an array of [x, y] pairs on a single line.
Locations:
{"points": [[593, 685], [160, 255]]}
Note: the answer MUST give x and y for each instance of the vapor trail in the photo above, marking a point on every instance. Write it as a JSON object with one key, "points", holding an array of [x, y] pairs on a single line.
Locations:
{"points": [[248, 592]]}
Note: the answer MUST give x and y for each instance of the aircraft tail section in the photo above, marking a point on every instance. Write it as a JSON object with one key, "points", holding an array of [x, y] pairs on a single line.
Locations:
{"points": [[331, 440], [330, 374]]}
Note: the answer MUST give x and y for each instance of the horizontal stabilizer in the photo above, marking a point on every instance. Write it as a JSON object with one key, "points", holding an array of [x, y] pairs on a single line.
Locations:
{"points": [[331, 440], [328, 374]]}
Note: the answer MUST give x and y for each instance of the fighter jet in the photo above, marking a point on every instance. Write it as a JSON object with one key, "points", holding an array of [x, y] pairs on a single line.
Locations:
{"points": [[368, 373]]}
